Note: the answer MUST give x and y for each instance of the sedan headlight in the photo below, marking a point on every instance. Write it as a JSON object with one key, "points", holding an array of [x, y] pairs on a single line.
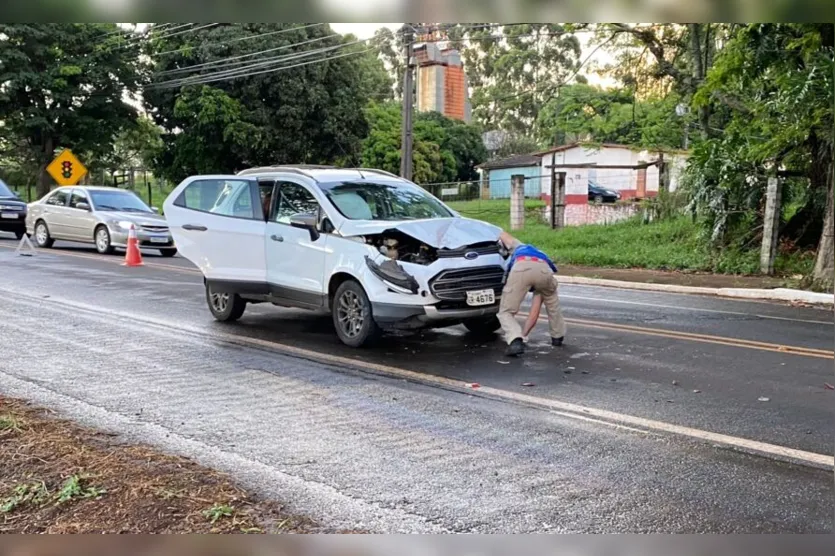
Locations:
{"points": [[123, 224]]}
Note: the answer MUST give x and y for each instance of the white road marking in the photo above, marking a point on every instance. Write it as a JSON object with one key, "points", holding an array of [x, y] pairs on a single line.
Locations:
{"points": [[751, 446]]}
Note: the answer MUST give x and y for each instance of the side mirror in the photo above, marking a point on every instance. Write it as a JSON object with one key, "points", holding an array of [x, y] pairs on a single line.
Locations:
{"points": [[155, 209], [82, 206], [306, 222]]}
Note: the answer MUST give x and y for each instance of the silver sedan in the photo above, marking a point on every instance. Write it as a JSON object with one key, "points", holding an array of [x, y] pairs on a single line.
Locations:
{"points": [[102, 216]]}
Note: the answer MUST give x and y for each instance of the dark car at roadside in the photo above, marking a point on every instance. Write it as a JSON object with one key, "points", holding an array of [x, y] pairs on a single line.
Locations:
{"points": [[12, 212], [598, 194]]}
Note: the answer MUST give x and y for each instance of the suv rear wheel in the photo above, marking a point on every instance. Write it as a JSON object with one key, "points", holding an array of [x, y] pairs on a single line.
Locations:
{"points": [[484, 325], [352, 315], [225, 307]]}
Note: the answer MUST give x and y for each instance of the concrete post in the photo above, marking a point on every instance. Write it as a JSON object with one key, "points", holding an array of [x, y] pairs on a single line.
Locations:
{"points": [[559, 205], [771, 226], [517, 202]]}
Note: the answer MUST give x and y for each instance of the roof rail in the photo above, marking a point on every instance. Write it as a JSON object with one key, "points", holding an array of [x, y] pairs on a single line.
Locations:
{"points": [[375, 171], [288, 169]]}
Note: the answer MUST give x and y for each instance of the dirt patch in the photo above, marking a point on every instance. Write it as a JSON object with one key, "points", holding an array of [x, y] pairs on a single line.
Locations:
{"points": [[58, 477], [703, 280]]}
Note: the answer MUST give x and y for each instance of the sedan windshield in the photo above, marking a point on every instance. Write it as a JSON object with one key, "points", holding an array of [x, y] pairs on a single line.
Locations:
{"points": [[383, 201], [122, 201], [4, 190]]}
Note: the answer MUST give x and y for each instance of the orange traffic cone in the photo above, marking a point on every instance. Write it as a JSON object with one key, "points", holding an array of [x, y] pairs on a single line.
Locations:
{"points": [[133, 257]]}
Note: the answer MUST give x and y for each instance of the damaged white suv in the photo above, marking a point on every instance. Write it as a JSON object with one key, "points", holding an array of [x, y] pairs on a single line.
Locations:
{"points": [[376, 251]]}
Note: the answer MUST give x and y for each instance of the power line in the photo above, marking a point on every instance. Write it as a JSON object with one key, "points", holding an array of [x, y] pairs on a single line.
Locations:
{"points": [[243, 70], [184, 48], [213, 78], [222, 60]]}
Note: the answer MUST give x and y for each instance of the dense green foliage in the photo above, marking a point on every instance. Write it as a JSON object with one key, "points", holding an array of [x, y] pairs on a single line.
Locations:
{"points": [[444, 149], [63, 86]]}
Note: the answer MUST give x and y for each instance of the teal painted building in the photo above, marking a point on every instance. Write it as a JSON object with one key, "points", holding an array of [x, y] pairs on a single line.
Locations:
{"points": [[500, 172]]}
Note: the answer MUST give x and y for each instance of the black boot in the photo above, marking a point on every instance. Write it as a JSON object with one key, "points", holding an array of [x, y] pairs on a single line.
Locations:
{"points": [[556, 342], [516, 347]]}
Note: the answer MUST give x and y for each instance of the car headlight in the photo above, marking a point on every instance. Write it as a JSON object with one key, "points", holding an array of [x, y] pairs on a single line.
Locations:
{"points": [[124, 224]]}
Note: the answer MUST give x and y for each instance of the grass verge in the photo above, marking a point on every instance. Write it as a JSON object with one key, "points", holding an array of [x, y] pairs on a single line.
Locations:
{"points": [[58, 477], [675, 244]]}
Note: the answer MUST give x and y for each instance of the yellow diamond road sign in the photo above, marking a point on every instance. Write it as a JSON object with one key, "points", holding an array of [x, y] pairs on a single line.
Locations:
{"points": [[66, 169]]}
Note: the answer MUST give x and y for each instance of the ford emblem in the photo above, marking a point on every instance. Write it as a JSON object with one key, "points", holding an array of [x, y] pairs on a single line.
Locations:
{"points": [[471, 255]]}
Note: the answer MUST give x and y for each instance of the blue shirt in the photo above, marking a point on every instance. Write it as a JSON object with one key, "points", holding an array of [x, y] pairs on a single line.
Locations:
{"points": [[528, 251]]}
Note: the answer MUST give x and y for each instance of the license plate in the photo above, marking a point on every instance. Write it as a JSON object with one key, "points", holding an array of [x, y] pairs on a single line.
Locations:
{"points": [[481, 297], [9, 215], [159, 240]]}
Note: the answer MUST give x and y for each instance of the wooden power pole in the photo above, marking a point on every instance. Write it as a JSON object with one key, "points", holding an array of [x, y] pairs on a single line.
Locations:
{"points": [[408, 35]]}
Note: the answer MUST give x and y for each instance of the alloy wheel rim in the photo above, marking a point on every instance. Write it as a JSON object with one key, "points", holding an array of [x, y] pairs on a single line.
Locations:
{"points": [[350, 315], [102, 240], [220, 301], [40, 233]]}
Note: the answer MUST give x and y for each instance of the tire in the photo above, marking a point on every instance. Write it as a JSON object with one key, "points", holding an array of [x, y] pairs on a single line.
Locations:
{"points": [[168, 252], [101, 237], [352, 316], [42, 237], [225, 307], [598, 200], [486, 325], [19, 234]]}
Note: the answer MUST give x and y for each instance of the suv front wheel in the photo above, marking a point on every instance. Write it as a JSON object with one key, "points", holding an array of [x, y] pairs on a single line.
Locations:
{"points": [[483, 325], [225, 307], [352, 315]]}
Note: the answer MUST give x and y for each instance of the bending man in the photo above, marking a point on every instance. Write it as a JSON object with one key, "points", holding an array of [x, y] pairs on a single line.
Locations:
{"points": [[528, 270]]}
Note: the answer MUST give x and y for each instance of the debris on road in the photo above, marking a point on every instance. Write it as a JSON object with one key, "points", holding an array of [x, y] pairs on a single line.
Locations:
{"points": [[579, 355], [503, 362], [58, 477], [764, 399], [474, 385], [528, 384], [697, 391], [675, 383], [828, 386]]}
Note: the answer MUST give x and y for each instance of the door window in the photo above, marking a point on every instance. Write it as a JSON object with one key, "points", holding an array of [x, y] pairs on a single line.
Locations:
{"points": [[78, 196], [59, 198], [234, 198], [294, 199]]}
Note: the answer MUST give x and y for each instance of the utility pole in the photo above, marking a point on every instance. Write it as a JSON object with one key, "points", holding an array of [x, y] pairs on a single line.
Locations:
{"points": [[408, 35]]}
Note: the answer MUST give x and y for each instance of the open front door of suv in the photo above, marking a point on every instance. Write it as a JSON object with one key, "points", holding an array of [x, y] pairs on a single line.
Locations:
{"points": [[218, 224]]}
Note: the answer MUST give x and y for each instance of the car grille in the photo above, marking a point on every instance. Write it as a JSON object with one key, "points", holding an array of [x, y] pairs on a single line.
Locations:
{"points": [[491, 249], [155, 228], [15, 208], [453, 285]]}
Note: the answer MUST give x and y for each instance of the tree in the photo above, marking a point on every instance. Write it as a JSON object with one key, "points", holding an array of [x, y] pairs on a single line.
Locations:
{"points": [[514, 70], [773, 83], [63, 86], [444, 149], [287, 93], [583, 112]]}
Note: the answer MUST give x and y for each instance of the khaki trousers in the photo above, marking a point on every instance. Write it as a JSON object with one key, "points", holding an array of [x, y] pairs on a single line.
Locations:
{"points": [[523, 276]]}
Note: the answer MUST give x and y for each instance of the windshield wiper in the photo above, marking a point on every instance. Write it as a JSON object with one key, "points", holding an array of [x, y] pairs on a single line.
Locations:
{"points": [[106, 207], [132, 209]]}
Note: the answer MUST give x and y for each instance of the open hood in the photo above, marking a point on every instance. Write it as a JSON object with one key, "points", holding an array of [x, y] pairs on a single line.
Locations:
{"points": [[440, 233]]}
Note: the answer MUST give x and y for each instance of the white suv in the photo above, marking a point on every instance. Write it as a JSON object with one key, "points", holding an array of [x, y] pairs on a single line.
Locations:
{"points": [[376, 251]]}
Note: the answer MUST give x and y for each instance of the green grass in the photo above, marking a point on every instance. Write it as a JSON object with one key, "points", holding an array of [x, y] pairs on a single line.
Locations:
{"points": [[673, 244]]}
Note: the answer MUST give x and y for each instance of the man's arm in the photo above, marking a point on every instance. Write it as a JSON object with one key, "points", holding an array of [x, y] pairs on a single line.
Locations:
{"points": [[509, 241], [533, 316]]}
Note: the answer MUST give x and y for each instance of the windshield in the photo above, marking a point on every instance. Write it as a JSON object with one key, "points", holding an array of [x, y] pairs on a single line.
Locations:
{"points": [[383, 201], [5, 191], [122, 201]]}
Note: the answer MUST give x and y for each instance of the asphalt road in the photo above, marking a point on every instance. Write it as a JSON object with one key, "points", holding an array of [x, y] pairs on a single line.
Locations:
{"points": [[615, 432]]}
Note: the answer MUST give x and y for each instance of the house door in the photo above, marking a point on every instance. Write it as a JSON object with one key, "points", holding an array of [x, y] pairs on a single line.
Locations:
{"points": [[642, 183]]}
